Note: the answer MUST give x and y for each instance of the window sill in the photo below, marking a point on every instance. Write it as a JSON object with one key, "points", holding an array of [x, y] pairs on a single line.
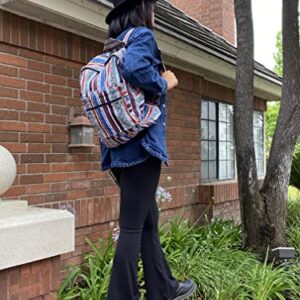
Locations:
{"points": [[222, 182], [219, 182]]}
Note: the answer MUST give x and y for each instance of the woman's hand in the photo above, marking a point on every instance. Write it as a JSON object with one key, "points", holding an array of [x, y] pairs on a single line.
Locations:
{"points": [[171, 79]]}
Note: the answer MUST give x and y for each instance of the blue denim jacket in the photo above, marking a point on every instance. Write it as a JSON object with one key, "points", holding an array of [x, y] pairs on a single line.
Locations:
{"points": [[141, 67]]}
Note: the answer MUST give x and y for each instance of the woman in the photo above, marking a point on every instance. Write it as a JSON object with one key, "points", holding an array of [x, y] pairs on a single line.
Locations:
{"points": [[136, 165]]}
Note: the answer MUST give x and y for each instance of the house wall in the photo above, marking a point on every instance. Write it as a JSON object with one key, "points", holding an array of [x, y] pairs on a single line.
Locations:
{"points": [[218, 15], [36, 280], [39, 71]]}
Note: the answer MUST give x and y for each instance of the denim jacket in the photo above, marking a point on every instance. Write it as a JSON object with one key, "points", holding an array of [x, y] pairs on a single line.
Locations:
{"points": [[141, 68]]}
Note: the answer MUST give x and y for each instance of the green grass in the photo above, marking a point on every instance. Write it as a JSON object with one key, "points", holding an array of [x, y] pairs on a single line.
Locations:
{"points": [[210, 254]]}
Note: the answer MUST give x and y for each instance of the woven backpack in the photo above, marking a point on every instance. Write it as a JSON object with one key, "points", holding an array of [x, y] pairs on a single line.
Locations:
{"points": [[117, 110]]}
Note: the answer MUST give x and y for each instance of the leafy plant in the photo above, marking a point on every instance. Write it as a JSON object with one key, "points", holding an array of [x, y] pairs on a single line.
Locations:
{"points": [[211, 254]]}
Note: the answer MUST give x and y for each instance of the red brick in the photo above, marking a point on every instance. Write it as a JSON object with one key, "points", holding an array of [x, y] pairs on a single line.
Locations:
{"points": [[36, 279], [12, 126], [56, 119], [58, 70], [60, 110], [25, 286], [32, 96], [38, 66], [38, 87], [9, 137], [31, 179], [38, 168], [32, 117], [37, 188], [15, 191], [9, 93], [38, 107], [61, 91], [56, 138], [9, 115], [32, 138], [57, 168], [73, 83], [59, 148], [14, 147], [12, 60], [32, 158], [38, 148], [13, 104], [32, 75], [58, 80], [51, 296], [31, 54], [4, 284], [9, 71], [55, 99], [44, 128], [56, 158]]}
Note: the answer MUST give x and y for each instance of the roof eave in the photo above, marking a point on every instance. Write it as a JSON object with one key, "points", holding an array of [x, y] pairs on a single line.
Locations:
{"points": [[86, 18]]}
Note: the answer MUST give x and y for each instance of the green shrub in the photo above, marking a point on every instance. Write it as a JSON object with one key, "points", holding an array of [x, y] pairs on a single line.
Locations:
{"points": [[210, 254], [90, 281]]}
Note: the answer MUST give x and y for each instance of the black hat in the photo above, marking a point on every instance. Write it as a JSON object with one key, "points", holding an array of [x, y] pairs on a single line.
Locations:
{"points": [[119, 6]]}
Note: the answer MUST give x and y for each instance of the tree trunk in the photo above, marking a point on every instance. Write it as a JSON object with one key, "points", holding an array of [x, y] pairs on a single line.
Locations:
{"points": [[263, 212], [251, 208], [275, 188]]}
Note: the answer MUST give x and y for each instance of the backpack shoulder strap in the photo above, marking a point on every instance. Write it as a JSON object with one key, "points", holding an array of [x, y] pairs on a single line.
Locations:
{"points": [[127, 36]]}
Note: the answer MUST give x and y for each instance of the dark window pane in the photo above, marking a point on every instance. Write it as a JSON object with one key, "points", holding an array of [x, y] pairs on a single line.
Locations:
{"points": [[204, 110], [212, 130], [260, 167], [204, 130], [230, 151], [212, 151], [259, 151], [212, 110], [230, 169], [260, 119], [222, 150], [204, 150], [212, 170], [204, 170], [222, 131], [260, 135], [222, 170], [255, 118], [230, 113], [230, 132], [222, 112]]}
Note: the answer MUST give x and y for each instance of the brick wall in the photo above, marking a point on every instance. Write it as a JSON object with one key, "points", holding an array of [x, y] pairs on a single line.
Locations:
{"points": [[218, 15], [37, 280], [39, 70]]}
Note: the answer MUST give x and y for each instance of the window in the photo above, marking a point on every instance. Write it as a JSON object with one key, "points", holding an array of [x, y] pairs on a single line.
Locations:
{"points": [[258, 134], [217, 141], [217, 146]]}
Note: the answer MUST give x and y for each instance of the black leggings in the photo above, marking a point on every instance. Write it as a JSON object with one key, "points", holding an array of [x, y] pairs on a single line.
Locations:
{"points": [[138, 222]]}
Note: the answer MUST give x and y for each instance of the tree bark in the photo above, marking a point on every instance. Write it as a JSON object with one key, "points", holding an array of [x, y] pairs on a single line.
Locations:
{"points": [[275, 188], [243, 123], [263, 212]]}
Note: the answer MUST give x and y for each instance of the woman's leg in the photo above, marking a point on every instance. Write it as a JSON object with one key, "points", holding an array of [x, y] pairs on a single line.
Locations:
{"points": [[160, 283], [138, 187]]}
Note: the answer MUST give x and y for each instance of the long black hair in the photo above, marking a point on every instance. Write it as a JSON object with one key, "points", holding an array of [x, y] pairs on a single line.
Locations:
{"points": [[137, 15]]}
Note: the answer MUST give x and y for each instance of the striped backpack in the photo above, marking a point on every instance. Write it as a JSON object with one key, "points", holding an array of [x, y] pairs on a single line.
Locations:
{"points": [[117, 110]]}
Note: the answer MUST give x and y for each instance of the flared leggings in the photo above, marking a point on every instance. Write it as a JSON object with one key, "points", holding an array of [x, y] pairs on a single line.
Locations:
{"points": [[138, 221]]}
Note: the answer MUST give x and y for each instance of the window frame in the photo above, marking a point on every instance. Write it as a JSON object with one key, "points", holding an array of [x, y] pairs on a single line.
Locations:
{"points": [[217, 121]]}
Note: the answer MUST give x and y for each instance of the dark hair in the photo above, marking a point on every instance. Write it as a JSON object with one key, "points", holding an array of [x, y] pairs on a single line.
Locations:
{"points": [[138, 15]]}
